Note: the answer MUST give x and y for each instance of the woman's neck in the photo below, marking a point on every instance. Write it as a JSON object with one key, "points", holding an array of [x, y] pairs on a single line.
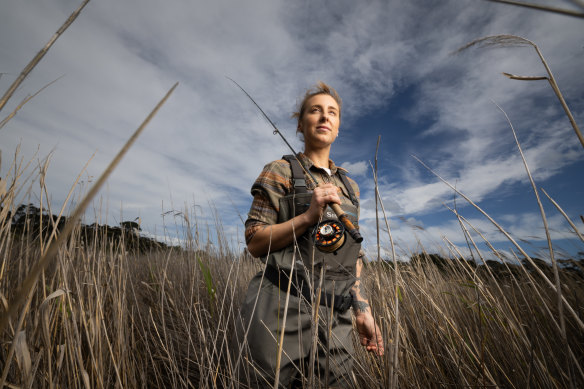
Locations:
{"points": [[320, 157]]}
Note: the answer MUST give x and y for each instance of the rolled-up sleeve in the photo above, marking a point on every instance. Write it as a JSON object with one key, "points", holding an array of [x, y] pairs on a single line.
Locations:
{"points": [[272, 184]]}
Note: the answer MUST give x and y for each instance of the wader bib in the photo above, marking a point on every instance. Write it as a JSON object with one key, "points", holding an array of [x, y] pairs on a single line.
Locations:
{"points": [[338, 268]]}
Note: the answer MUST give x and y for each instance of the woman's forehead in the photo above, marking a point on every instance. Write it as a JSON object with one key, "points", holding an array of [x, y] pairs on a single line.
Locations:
{"points": [[323, 100]]}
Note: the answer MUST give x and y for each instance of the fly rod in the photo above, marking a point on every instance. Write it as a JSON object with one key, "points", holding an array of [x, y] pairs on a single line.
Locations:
{"points": [[343, 217]]}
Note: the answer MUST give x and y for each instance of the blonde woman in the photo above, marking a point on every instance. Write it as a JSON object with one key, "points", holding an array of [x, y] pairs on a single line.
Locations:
{"points": [[288, 212]]}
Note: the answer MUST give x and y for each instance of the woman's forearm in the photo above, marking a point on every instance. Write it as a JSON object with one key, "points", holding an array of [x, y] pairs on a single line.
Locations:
{"points": [[360, 301], [274, 237], [370, 335]]}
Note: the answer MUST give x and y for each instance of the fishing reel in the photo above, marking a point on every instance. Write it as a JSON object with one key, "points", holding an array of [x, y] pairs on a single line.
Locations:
{"points": [[329, 236]]}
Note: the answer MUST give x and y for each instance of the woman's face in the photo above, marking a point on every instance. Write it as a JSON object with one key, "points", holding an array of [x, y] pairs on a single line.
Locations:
{"points": [[320, 122]]}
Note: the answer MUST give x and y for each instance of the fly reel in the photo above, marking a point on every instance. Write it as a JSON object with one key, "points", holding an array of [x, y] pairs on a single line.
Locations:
{"points": [[329, 236]]}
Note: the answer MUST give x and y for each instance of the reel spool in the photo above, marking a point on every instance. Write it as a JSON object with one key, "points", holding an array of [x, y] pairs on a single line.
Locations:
{"points": [[329, 236]]}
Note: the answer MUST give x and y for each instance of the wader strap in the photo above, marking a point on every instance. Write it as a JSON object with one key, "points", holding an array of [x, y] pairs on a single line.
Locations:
{"points": [[280, 279], [298, 180], [352, 196]]}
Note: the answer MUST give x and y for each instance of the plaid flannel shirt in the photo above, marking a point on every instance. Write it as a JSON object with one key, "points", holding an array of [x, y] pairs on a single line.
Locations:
{"points": [[275, 182]]}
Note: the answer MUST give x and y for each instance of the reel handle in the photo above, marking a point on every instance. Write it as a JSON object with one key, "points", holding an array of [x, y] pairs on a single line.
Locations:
{"points": [[351, 229]]}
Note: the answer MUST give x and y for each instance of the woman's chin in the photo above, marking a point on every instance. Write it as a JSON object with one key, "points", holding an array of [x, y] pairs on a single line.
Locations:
{"points": [[320, 141]]}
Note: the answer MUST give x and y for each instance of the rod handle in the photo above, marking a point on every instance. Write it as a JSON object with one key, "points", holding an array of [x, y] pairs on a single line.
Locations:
{"points": [[351, 229]]}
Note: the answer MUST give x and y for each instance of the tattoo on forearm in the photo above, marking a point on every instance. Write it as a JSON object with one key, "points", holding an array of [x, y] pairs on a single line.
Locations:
{"points": [[361, 289], [358, 289], [360, 306], [355, 289]]}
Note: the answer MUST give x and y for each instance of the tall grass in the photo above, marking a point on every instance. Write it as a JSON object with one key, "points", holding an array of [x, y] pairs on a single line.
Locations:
{"points": [[105, 316]]}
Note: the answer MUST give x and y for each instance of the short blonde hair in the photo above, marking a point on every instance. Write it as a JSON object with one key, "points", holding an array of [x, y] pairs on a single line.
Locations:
{"points": [[319, 89]]}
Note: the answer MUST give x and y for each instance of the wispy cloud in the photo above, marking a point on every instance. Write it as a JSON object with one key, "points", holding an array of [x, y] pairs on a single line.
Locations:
{"points": [[359, 168]]}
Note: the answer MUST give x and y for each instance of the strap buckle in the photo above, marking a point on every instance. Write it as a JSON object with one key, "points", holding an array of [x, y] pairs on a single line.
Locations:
{"points": [[299, 182]]}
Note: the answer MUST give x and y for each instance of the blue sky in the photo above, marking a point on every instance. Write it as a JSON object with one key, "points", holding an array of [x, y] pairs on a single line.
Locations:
{"points": [[391, 61]]}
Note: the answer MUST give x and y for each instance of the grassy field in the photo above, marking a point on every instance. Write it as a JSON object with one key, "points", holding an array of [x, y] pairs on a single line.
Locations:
{"points": [[108, 314]]}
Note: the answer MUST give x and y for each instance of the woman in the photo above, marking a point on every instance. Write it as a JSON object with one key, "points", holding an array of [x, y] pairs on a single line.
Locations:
{"points": [[281, 227]]}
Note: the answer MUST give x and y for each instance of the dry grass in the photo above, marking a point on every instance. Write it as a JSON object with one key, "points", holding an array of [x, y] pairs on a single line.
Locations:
{"points": [[106, 317]]}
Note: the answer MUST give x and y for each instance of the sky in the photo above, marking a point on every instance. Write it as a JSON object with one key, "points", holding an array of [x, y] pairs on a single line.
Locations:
{"points": [[395, 65]]}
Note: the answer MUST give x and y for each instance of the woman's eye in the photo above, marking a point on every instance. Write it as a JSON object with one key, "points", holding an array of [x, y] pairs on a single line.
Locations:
{"points": [[333, 113]]}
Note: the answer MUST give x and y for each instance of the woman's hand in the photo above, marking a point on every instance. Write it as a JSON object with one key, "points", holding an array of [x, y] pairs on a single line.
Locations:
{"points": [[369, 333], [273, 237], [322, 195]]}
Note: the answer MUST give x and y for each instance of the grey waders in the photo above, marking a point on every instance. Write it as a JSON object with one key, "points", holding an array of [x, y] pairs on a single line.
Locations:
{"points": [[331, 342]]}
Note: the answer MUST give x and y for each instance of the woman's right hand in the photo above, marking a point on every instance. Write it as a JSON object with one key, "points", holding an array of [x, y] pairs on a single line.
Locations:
{"points": [[273, 237], [321, 196]]}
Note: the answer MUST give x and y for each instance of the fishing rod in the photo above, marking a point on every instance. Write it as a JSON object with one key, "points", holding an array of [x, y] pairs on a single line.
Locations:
{"points": [[330, 233]]}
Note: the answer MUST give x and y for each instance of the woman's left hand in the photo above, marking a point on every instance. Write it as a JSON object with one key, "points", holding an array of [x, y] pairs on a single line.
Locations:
{"points": [[369, 333]]}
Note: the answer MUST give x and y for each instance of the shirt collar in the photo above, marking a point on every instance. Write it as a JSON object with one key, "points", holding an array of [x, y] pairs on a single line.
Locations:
{"points": [[307, 162]]}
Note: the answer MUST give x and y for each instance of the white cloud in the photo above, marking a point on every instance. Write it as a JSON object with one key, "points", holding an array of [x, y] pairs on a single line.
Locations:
{"points": [[359, 168]]}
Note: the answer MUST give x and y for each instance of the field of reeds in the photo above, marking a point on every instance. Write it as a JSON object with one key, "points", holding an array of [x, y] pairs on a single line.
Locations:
{"points": [[110, 313], [100, 307]]}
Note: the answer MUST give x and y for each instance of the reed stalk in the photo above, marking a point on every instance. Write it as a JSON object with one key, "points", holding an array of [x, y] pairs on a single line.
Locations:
{"points": [[39, 56], [24, 101], [546, 228], [512, 41], [561, 11]]}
